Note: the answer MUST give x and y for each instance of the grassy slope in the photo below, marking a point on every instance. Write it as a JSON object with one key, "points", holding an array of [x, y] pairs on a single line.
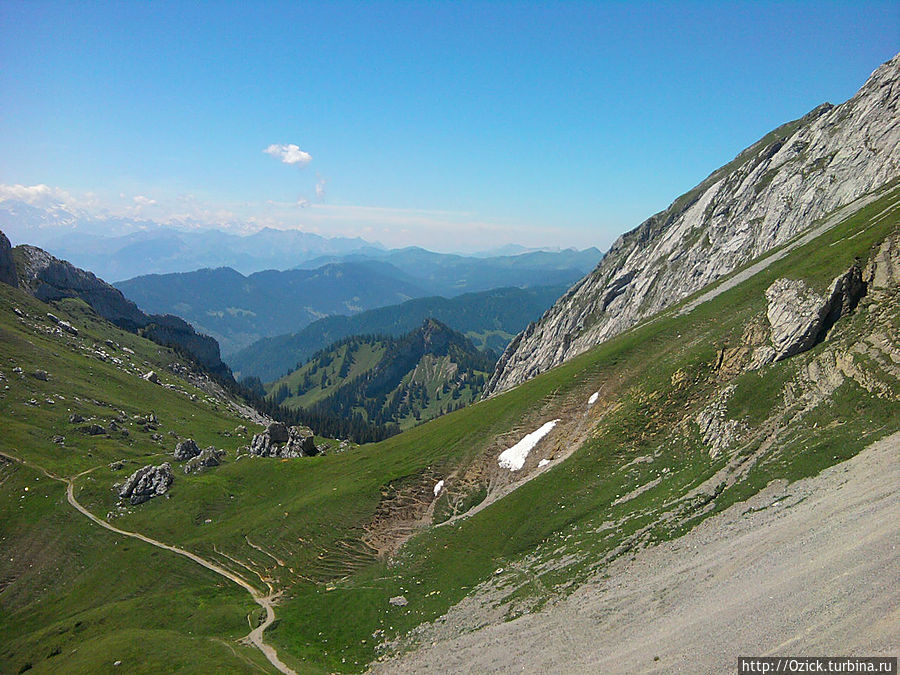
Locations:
{"points": [[312, 513], [76, 597], [365, 357], [365, 353]]}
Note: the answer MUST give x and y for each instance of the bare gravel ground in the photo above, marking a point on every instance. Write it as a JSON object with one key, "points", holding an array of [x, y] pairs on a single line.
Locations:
{"points": [[811, 568]]}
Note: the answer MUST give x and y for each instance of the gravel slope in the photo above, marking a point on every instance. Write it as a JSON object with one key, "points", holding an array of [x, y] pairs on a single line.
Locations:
{"points": [[804, 569]]}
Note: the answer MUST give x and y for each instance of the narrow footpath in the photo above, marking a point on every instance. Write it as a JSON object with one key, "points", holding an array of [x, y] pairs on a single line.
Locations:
{"points": [[266, 601]]}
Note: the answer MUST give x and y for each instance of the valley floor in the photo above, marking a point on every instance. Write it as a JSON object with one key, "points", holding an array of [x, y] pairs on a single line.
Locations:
{"points": [[808, 568]]}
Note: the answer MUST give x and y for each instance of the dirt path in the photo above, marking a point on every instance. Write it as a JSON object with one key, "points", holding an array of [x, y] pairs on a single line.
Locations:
{"points": [[266, 601], [809, 568]]}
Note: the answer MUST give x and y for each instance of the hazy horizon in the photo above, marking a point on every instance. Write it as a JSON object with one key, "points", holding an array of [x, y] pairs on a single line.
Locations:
{"points": [[460, 127]]}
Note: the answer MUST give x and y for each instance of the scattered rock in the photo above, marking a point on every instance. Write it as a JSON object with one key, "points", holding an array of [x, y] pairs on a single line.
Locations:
{"points": [[75, 418], [53, 318], [717, 430], [399, 601], [59, 440], [41, 375], [186, 449], [146, 483], [151, 377], [93, 430], [19, 313], [117, 466], [240, 430]]}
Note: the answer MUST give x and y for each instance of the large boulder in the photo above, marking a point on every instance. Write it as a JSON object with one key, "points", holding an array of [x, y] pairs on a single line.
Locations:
{"points": [[7, 265], [279, 441], [146, 483], [207, 458], [300, 443], [186, 449], [800, 317], [278, 433]]}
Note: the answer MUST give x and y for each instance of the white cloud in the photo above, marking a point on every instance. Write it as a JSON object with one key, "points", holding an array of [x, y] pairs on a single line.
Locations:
{"points": [[289, 154], [303, 203], [320, 188], [141, 200], [34, 194]]}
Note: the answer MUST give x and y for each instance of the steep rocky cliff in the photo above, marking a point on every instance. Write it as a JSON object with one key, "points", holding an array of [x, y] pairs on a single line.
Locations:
{"points": [[7, 265], [772, 191], [48, 278]]}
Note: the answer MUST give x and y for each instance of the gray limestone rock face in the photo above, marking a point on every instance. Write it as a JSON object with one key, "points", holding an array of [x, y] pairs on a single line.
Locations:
{"points": [[795, 313], [883, 270], [186, 450], [771, 192], [7, 264], [800, 318], [146, 483]]}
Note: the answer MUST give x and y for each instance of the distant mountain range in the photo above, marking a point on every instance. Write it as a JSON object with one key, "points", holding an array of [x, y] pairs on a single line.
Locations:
{"points": [[489, 318], [237, 310], [118, 248], [390, 381]]}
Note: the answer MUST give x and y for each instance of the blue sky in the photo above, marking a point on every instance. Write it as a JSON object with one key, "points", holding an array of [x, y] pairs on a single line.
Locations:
{"points": [[451, 125]]}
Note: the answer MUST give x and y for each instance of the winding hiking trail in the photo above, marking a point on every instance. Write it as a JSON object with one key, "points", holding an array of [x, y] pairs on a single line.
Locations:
{"points": [[255, 636]]}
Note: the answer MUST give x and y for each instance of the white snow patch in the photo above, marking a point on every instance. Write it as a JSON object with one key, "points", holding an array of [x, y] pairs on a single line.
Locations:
{"points": [[543, 462], [438, 488], [514, 458], [593, 399]]}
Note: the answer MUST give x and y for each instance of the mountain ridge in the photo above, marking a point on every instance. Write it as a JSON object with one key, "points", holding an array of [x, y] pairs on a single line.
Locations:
{"points": [[772, 191], [489, 318], [394, 381]]}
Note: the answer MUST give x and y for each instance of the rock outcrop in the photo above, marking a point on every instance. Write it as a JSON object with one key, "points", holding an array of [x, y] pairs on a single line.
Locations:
{"points": [[146, 483], [279, 441], [207, 458], [185, 450], [883, 270], [7, 265], [774, 190], [800, 318]]}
